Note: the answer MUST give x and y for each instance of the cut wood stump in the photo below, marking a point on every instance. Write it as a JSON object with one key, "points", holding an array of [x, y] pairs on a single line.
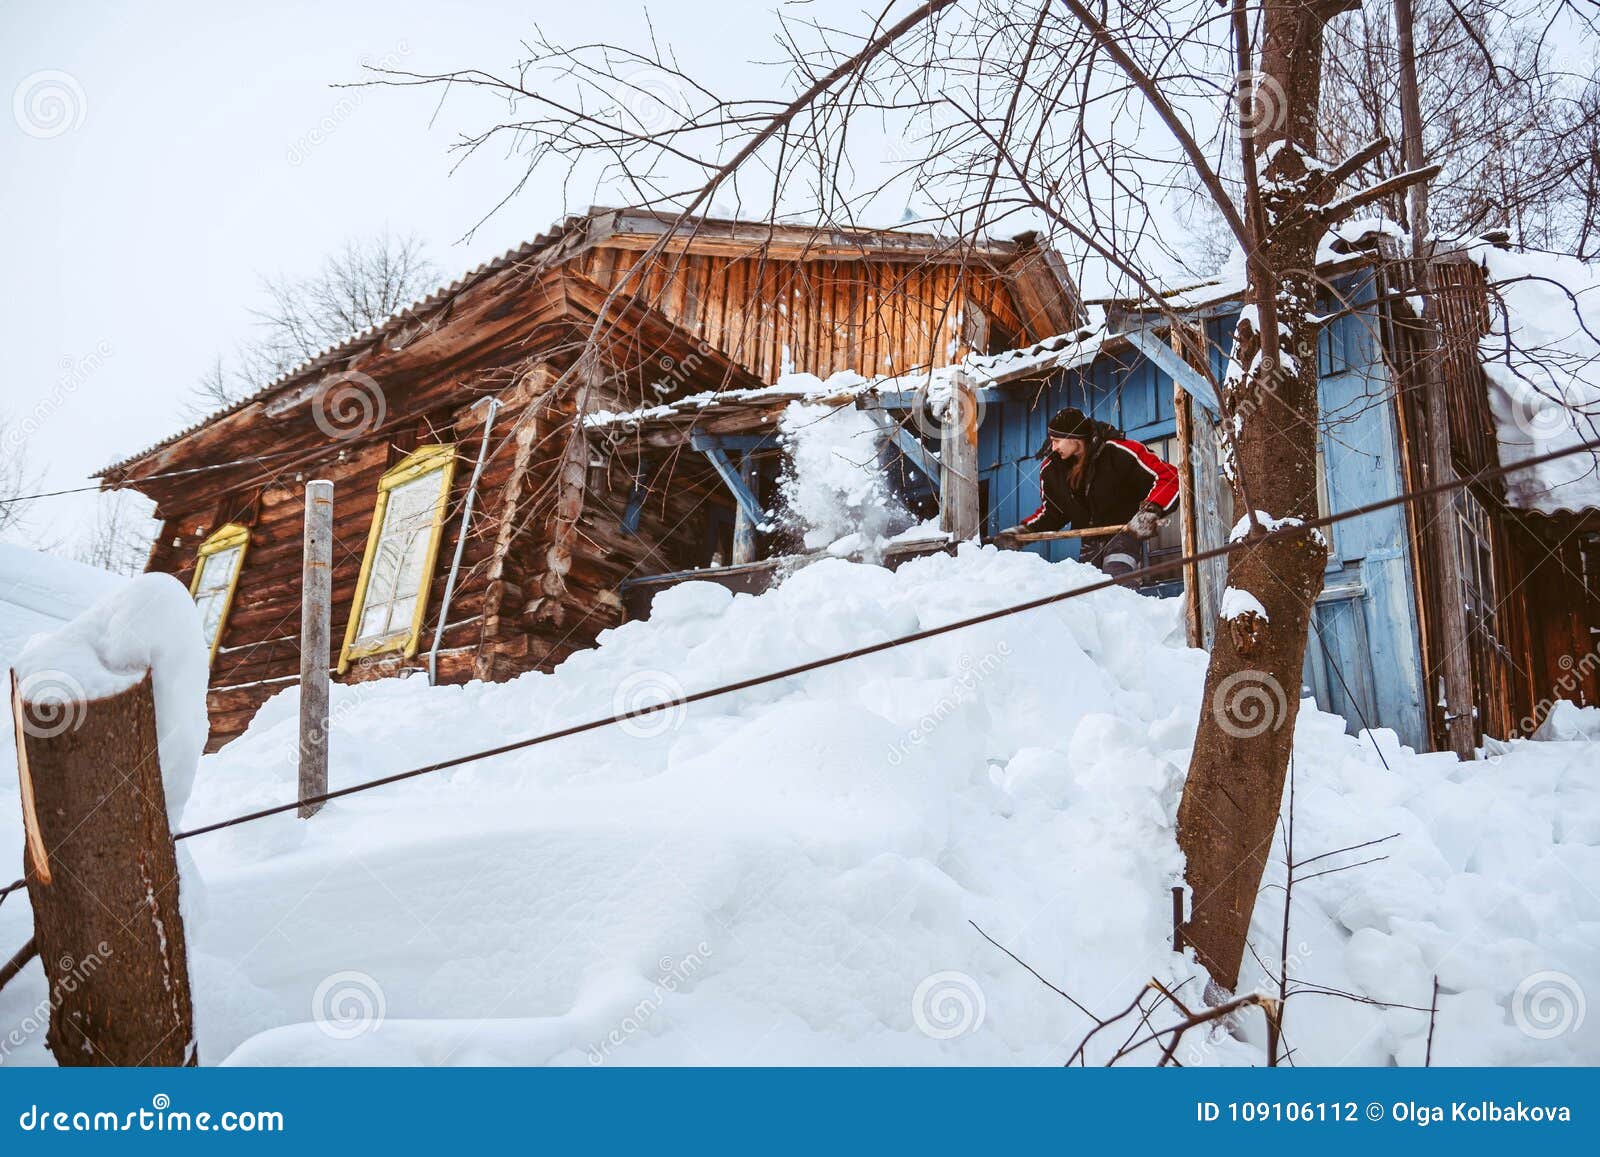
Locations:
{"points": [[105, 899]]}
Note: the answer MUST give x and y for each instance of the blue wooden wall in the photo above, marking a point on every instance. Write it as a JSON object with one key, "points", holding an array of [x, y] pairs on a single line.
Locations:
{"points": [[1127, 391], [1363, 658]]}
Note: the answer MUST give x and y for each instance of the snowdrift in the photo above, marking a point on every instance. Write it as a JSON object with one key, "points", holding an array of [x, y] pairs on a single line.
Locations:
{"points": [[793, 874]]}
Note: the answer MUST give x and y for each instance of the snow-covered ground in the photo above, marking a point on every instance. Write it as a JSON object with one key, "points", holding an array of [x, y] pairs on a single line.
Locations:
{"points": [[787, 875]]}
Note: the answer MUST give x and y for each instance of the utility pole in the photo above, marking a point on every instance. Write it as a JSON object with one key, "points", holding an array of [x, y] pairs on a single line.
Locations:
{"points": [[316, 612], [1444, 536]]}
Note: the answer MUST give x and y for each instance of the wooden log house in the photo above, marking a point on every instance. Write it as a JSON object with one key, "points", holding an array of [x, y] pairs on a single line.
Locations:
{"points": [[478, 531], [1529, 602]]}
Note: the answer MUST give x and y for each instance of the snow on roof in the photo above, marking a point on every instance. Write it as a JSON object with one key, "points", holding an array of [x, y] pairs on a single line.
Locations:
{"points": [[546, 241], [1542, 361], [1061, 351]]}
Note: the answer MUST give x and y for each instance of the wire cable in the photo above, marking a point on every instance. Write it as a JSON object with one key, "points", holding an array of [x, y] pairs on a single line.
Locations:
{"points": [[1132, 578]]}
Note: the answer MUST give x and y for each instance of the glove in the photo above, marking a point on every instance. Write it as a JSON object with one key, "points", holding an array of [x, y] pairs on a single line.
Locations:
{"points": [[1146, 523], [1007, 539]]}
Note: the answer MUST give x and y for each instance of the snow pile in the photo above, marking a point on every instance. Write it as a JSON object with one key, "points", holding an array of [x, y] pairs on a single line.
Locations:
{"points": [[833, 490], [787, 875], [1542, 359], [39, 593], [149, 624], [1567, 721]]}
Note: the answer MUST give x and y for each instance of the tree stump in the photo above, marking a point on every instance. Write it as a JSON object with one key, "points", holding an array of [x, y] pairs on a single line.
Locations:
{"points": [[105, 903]]}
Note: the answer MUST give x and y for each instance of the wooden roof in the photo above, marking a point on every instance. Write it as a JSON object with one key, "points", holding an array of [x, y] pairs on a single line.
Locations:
{"points": [[510, 316], [1044, 293]]}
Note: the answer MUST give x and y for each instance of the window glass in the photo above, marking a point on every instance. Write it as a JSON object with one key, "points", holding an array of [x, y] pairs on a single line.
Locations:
{"points": [[400, 556], [216, 574]]}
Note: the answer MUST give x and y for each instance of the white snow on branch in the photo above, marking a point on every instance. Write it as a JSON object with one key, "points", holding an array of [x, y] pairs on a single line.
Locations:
{"points": [[1241, 529], [1236, 604]]}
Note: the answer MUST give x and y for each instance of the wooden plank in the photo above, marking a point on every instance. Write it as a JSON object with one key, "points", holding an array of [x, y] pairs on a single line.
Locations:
{"points": [[1061, 535], [33, 840], [742, 495], [1180, 371], [958, 452], [1193, 631]]}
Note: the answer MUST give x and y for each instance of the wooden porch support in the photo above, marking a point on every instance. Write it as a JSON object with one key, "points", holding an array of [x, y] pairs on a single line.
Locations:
{"points": [[744, 527], [732, 478], [897, 438], [958, 452]]}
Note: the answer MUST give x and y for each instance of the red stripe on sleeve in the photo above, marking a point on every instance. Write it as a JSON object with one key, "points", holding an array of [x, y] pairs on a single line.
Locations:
{"points": [[1037, 514], [1164, 487]]}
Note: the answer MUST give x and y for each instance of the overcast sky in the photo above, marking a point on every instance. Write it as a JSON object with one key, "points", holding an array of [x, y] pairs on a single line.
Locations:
{"points": [[200, 145]]}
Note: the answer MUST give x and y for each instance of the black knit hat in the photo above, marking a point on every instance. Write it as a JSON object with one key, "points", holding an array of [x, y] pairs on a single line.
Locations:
{"points": [[1071, 423]]}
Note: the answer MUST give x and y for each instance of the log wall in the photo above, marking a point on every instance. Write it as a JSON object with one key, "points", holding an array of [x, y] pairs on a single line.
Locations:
{"points": [[546, 549]]}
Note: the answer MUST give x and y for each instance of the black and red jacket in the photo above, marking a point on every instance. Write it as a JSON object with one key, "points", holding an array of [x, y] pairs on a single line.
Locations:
{"points": [[1122, 476]]}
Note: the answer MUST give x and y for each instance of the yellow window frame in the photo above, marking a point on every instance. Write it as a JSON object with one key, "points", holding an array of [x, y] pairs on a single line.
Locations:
{"points": [[225, 537], [419, 463]]}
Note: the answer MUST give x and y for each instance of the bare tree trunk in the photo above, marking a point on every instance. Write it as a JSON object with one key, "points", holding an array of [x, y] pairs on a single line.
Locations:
{"points": [[1246, 733], [1443, 533], [105, 906]]}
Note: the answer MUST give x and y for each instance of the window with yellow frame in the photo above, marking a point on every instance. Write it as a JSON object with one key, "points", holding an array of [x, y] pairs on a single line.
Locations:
{"points": [[402, 548], [216, 578]]}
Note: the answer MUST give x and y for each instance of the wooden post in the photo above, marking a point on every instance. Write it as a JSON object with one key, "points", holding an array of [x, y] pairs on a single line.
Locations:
{"points": [[1194, 633], [744, 530], [106, 917], [958, 460], [1442, 532], [316, 611]]}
